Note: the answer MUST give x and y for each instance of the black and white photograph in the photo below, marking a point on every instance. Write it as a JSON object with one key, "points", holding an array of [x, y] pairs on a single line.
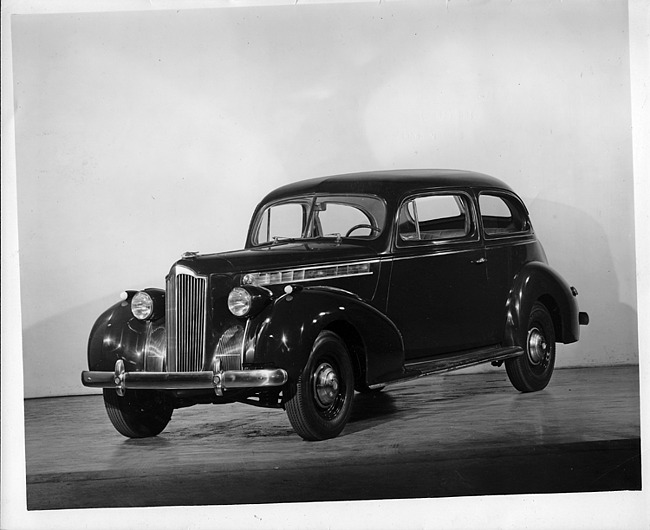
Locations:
{"points": [[325, 264]]}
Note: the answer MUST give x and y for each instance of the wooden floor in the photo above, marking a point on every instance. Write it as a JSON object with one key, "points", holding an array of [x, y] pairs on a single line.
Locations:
{"points": [[442, 436]]}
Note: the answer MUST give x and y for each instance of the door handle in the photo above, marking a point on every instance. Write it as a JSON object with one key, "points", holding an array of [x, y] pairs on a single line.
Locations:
{"points": [[479, 261]]}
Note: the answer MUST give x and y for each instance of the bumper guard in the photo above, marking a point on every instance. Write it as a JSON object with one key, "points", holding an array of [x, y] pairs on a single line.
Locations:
{"points": [[217, 379]]}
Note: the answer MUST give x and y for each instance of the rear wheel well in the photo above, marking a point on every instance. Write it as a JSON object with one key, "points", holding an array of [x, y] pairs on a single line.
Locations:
{"points": [[353, 341], [554, 310]]}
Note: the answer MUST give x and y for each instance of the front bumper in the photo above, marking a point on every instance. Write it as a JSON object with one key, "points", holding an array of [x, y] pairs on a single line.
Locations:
{"points": [[216, 379]]}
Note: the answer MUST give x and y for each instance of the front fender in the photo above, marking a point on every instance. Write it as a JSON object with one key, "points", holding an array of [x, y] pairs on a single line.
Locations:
{"points": [[117, 334], [537, 281], [283, 334]]}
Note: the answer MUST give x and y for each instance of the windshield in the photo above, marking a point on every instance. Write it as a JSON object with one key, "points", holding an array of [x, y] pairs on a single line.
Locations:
{"points": [[351, 216]]}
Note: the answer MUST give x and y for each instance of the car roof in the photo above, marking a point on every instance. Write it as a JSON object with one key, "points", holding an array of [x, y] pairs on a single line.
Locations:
{"points": [[392, 183]]}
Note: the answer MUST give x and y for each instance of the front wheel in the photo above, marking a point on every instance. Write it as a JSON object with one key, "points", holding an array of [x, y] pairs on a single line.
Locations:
{"points": [[532, 371], [322, 398], [139, 413]]}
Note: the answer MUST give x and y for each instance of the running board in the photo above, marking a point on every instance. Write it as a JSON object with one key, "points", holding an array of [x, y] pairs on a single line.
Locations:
{"points": [[448, 363]]}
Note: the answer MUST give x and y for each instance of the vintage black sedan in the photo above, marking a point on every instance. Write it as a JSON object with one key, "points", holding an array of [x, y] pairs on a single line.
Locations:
{"points": [[349, 282]]}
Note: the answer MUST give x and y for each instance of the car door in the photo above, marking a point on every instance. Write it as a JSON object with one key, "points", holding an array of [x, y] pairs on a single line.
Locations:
{"points": [[509, 243], [438, 283]]}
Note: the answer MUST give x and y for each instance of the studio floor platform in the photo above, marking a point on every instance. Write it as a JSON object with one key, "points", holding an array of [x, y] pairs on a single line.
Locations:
{"points": [[442, 436]]}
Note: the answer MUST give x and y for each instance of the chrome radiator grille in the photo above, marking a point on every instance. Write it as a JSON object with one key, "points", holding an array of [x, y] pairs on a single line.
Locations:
{"points": [[186, 320]]}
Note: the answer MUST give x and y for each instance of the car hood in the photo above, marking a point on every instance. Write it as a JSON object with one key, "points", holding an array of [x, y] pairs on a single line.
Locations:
{"points": [[279, 256]]}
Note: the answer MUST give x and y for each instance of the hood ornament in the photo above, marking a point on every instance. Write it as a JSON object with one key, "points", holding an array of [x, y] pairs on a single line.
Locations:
{"points": [[189, 254]]}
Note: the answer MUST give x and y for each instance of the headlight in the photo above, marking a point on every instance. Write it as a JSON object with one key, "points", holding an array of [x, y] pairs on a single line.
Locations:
{"points": [[239, 302], [142, 306]]}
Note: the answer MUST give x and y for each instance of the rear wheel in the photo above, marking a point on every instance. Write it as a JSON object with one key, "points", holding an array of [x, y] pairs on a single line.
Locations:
{"points": [[139, 413], [322, 398], [532, 371]]}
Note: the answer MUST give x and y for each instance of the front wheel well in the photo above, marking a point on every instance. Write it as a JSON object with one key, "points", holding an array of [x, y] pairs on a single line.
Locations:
{"points": [[554, 311], [353, 341]]}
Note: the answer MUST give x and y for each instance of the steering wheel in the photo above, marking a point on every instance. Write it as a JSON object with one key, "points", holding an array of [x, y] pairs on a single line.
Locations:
{"points": [[356, 227]]}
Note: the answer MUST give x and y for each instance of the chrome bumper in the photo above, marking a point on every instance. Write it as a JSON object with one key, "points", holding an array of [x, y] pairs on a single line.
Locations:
{"points": [[216, 379]]}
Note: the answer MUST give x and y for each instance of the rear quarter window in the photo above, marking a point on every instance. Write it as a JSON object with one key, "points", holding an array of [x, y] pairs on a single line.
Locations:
{"points": [[436, 217], [502, 215]]}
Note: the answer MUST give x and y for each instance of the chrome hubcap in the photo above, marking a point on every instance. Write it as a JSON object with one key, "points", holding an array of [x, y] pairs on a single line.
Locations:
{"points": [[326, 385], [537, 346]]}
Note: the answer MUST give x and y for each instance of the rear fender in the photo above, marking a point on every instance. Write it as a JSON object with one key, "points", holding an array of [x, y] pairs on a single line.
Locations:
{"points": [[283, 334], [535, 282]]}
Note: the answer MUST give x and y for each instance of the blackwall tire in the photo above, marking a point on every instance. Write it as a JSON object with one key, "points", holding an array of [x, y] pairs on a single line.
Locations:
{"points": [[532, 371], [322, 397], [139, 413]]}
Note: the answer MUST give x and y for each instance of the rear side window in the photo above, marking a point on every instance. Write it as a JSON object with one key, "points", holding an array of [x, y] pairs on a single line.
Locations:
{"points": [[502, 215], [435, 218]]}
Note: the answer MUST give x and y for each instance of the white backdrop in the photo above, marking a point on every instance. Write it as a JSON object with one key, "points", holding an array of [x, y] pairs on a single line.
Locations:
{"points": [[140, 135]]}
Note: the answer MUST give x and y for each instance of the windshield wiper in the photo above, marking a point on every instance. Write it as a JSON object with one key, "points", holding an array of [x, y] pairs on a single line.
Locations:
{"points": [[336, 236], [280, 239], [277, 240]]}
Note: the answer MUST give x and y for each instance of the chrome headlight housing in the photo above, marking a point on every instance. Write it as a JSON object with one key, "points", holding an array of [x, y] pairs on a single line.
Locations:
{"points": [[248, 301], [240, 302], [146, 305], [142, 305]]}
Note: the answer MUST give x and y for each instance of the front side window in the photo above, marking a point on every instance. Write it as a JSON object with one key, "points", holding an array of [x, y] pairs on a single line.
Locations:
{"points": [[437, 217], [336, 218], [313, 217], [502, 215]]}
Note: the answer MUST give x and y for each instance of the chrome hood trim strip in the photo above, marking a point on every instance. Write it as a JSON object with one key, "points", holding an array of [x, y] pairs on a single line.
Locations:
{"points": [[308, 274]]}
